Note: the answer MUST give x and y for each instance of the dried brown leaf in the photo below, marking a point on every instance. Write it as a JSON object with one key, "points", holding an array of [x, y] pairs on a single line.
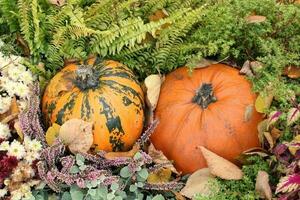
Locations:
{"points": [[77, 135], [255, 19], [162, 175], [19, 130], [57, 2], [269, 138], [262, 127], [159, 158], [246, 69], [221, 167], [292, 72], [12, 113], [262, 186], [153, 84], [131, 153], [275, 133], [159, 14], [256, 151], [204, 63], [198, 183]]}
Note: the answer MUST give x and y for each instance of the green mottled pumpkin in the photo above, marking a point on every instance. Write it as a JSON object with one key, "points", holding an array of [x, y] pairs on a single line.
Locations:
{"points": [[109, 96]]}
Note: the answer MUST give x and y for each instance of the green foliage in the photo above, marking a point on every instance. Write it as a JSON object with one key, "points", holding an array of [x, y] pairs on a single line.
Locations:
{"points": [[242, 189], [129, 186]]}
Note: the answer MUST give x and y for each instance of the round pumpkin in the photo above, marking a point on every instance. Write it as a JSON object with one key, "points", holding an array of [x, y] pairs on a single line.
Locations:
{"points": [[210, 107], [106, 94]]}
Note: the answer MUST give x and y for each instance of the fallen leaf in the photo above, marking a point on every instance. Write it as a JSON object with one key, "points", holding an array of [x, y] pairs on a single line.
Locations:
{"points": [[256, 151], [159, 158], [52, 133], [262, 127], [269, 138], [77, 135], [293, 115], [262, 185], [221, 167], [248, 112], [275, 133], [153, 84], [198, 182], [159, 14], [57, 2], [162, 175], [12, 113], [292, 72], [294, 145], [19, 130], [131, 153], [203, 63], [178, 196], [246, 69], [62, 86], [263, 102], [152, 89], [255, 19]]}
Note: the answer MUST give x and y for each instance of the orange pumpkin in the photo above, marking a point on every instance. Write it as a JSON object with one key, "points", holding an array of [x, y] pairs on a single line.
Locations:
{"points": [[206, 108], [107, 95]]}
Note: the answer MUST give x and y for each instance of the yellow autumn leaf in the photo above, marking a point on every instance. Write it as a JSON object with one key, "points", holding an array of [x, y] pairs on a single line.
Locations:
{"points": [[52, 133], [160, 176], [263, 102], [294, 149]]}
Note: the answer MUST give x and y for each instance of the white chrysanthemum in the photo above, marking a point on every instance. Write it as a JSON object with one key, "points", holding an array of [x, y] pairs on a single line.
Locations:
{"points": [[4, 146], [5, 103], [16, 195], [32, 145], [21, 90], [27, 77], [15, 72], [31, 156], [4, 131], [3, 192], [9, 86], [16, 149]]}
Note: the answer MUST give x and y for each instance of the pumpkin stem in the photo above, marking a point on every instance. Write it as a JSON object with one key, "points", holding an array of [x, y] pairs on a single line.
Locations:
{"points": [[204, 95], [87, 77]]}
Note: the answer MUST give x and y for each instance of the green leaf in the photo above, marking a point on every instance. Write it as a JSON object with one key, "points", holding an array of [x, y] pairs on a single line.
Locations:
{"points": [[114, 186], [66, 196], [102, 192], [158, 197], [76, 193], [133, 188], [125, 173], [82, 167], [110, 196], [92, 192], [79, 160], [74, 170], [137, 156], [143, 174]]}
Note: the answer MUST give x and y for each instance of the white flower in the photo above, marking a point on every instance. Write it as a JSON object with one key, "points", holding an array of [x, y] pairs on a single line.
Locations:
{"points": [[4, 146], [3, 192], [4, 131], [27, 77], [15, 72], [31, 156], [5, 103], [9, 86], [16, 195], [32, 145], [21, 90], [16, 149]]}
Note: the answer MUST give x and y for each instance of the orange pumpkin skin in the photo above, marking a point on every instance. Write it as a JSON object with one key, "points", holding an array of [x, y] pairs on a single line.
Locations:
{"points": [[221, 127], [115, 105]]}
